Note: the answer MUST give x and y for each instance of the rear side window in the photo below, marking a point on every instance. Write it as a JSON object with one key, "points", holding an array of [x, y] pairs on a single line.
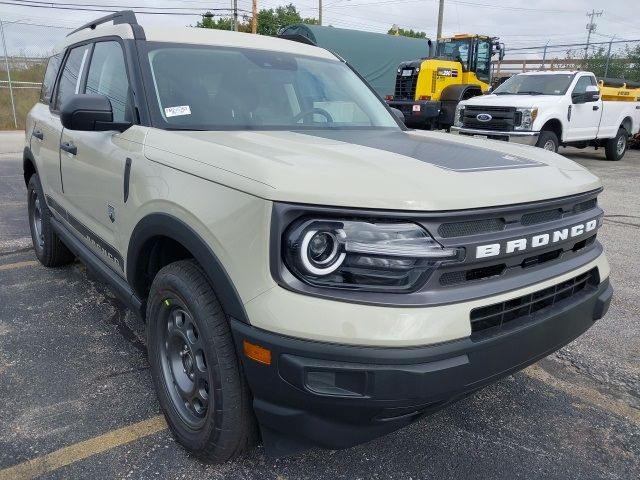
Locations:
{"points": [[71, 78], [108, 76], [49, 78]]}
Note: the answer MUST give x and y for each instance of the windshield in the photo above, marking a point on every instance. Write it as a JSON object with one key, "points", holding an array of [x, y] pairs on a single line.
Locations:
{"points": [[536, 85], [458, 49], [216, 88]]}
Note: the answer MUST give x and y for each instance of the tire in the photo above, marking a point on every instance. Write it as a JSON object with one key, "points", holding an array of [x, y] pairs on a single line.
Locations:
{"points": [[50, 250], [196, 371], [548, 141], [616, 147]]}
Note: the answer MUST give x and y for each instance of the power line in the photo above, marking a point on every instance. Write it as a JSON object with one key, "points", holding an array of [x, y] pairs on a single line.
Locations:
{"points": [[573, 45], [137, 9]]}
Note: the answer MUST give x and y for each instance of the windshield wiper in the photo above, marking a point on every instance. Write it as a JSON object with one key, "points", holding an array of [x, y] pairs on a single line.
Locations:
{"points": [[530, 92]]}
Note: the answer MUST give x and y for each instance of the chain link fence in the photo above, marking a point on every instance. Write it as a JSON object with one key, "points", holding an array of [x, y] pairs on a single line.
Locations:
{"points": [[24, 50], [612, 59]]}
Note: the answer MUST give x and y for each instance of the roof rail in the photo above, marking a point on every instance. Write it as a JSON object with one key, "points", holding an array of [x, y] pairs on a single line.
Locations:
{"points": [[119, 18]]}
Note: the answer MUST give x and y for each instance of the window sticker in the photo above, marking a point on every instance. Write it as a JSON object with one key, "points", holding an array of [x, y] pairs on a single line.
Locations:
{"points": [[177, 111]]}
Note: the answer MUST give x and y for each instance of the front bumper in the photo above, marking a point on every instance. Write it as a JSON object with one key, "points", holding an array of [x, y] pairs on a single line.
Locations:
{"points": [[417, 113], [337, 396], [525, 138]]}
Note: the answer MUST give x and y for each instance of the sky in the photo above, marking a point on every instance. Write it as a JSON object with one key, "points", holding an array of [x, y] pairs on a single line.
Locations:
{"points": [[519, 24]]}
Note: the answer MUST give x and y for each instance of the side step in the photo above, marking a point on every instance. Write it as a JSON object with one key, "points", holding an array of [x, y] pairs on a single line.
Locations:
{"points": [[118, 284]]}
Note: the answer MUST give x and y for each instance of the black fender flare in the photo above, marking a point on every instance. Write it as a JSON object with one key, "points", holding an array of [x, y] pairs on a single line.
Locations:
{"points": [[449, 99], [28, 158], [457, 92], [162, 224]]}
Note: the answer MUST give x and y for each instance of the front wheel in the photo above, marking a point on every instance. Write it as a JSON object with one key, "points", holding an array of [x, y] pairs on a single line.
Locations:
{"points": [[548, 141], [616, 147], [197, 374]]}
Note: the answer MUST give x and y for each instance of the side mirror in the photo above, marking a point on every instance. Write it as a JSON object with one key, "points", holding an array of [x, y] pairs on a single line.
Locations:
{"points": [[577, 98], [398, 113], [592, 94], [90, 113]]}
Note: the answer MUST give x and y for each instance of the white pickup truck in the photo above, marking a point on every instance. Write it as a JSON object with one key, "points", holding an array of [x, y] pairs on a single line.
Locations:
{"points": [[552, 109]]}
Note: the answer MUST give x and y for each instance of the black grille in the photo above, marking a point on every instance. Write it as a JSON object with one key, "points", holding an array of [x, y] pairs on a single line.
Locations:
{"points": [[480, 108], [503, 119], [494, 317], [406, 87], [463, 276], [584, 206], [541, 217], [475, 227]]}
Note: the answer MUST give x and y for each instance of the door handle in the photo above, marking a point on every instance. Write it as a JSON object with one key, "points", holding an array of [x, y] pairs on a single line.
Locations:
{"points": [[69, 147], [38, 134], [596, 107]]}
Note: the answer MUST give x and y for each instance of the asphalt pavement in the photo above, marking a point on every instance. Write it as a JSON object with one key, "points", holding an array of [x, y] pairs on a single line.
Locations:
{"points": [[78, 401]]}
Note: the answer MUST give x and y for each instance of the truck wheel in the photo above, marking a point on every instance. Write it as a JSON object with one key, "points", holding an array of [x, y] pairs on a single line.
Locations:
{"points": [[548, 141], [616, 146], [197, 374], [50, 250]]}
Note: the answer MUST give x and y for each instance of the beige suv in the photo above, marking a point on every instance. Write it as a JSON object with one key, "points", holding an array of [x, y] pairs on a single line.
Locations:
{"points": [[309, 270]]}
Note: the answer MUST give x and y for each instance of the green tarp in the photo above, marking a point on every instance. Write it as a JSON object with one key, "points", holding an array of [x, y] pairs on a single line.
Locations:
{"points": [[375, 56]]}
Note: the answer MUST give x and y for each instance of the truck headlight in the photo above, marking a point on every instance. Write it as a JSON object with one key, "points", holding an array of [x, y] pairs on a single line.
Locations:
{"points": [[457, 117], [362, 255], [528, 116]]}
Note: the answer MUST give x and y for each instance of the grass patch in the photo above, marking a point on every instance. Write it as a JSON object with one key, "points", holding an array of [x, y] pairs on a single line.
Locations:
{"points": [[24, 98]]}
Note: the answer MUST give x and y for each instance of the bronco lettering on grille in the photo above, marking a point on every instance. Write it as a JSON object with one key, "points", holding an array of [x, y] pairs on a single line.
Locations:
{"points": [[535, 241]]}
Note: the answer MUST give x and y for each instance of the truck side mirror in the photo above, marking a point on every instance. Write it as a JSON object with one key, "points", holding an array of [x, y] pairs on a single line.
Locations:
{"points": [[592, 94], [90, 113]]}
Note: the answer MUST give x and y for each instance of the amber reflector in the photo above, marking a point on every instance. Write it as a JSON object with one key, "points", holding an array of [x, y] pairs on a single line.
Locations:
{"points": [[257, 353]]}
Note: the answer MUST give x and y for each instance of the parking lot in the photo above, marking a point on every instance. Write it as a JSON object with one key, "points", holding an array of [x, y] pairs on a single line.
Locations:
{"points": [[78, 401]]}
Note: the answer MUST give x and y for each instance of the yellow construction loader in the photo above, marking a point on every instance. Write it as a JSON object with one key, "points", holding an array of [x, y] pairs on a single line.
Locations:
{"points": [[427, 90]]}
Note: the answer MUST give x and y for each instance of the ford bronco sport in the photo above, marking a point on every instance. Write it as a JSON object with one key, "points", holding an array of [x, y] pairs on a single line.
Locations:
{"points": [[309, 270]]}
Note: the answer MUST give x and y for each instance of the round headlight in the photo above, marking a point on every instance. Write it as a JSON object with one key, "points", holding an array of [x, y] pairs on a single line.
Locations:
{"points": [[319, 252]]}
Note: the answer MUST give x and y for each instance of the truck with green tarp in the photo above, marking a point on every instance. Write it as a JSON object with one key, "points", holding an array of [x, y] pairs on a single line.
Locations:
{"points": [[375, 56]]}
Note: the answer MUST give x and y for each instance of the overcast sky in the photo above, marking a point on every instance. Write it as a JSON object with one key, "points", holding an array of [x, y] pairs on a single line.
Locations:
{"points": [[518, 23]]}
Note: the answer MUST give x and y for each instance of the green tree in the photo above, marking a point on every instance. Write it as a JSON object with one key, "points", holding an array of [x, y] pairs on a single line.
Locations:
{"points": [[407, 33], [624, 63], [270, 21], [209, 20]]}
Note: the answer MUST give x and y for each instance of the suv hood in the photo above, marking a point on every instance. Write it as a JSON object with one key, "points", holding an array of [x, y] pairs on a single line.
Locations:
{"points": [[514, 100], [396, 170]]}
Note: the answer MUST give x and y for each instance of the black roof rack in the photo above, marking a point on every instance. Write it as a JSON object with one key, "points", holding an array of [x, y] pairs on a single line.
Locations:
{"points": [[119, 18]]}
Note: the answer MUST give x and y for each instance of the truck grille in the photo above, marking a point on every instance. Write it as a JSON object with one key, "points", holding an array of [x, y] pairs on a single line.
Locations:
{"points": [[503, 119], [495, 317], [406, 87]]}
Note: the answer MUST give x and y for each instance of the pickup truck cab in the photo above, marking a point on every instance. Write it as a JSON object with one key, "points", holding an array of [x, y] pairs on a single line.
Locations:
{"points": [[552, 109]]}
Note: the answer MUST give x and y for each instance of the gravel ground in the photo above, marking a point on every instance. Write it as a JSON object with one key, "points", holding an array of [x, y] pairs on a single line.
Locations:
{"points": [[73, 366]]}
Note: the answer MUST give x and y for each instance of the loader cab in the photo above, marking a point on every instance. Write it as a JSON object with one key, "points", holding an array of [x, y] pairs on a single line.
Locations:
{"points": [[473, 52]]}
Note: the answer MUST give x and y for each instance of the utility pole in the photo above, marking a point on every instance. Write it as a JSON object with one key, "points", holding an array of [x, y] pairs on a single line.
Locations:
{"points": [[544, 55], [6, 62], [254, 16], [440, 17], [235, 15], [320, 12], [606, 67], [591, 28]]}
